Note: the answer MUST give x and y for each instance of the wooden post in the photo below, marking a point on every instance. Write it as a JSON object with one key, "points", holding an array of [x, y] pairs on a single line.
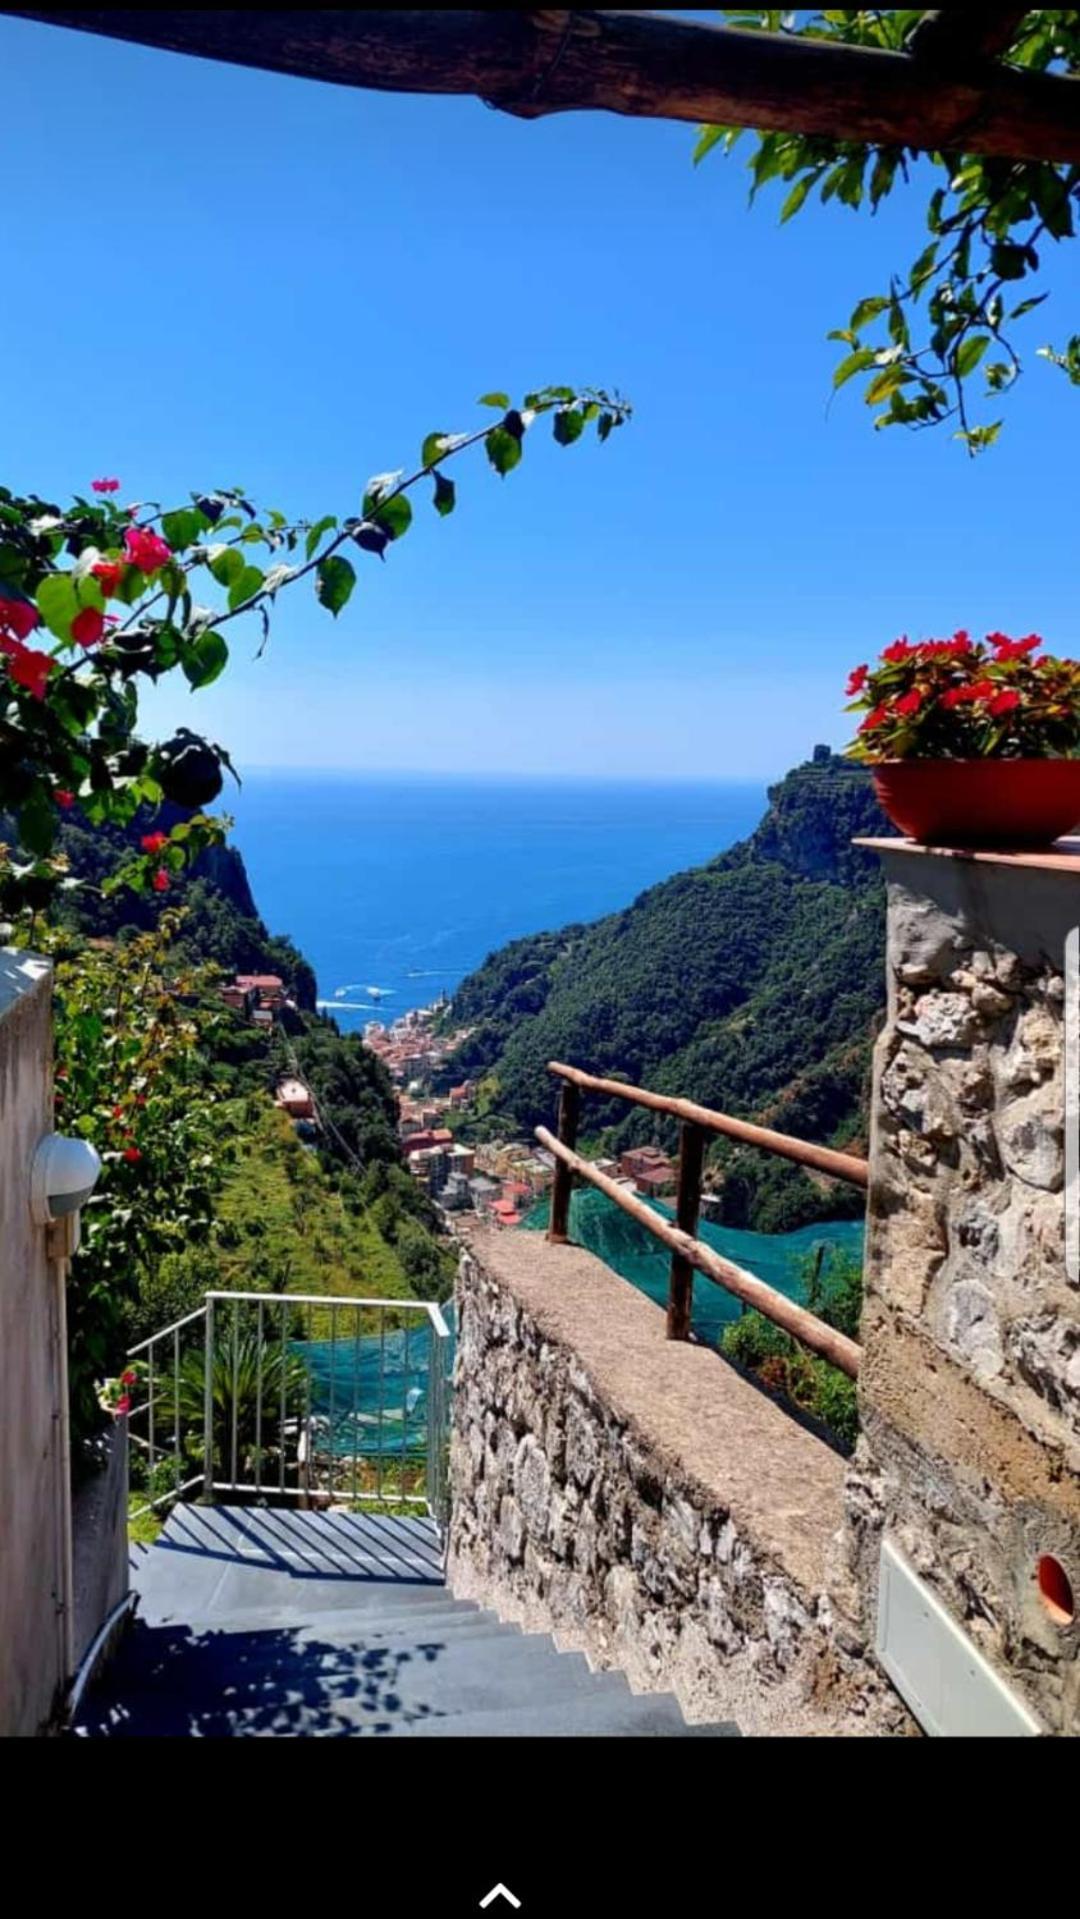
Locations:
{"points": [[569, 1111], [687, 1207]]}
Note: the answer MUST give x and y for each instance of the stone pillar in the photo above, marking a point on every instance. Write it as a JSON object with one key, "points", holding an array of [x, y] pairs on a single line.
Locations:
{"points": [[970, 1394]]}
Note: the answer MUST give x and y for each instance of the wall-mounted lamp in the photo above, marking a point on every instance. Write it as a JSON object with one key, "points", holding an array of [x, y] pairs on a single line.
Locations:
{"points": [[62, 1177]]}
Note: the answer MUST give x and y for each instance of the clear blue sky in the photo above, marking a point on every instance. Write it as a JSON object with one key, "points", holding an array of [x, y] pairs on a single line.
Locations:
{"points": [[217, 275]]}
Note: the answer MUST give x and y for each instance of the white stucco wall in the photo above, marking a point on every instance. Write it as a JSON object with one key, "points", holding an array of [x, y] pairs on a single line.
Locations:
{"points": [[32, 1375]]}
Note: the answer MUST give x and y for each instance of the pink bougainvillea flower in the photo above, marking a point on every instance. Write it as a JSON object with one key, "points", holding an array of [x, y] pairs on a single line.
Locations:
{"points": [[160, 881], [19, 617], [64, 798], [1006, 702], [88, 626], [899, 650], [108, 574], [857, 681], [123, 1406], [105, 486], [910, 702], [146, 549], [30, 669], [153, 842]]}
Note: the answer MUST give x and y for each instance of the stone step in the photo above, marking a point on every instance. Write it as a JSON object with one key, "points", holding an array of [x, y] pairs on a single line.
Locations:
{"points": [[229, 1684], [590, 1716]]}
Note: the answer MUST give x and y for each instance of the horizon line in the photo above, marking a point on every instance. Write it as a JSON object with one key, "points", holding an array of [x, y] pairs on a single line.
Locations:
{"points": [[487, 774]]}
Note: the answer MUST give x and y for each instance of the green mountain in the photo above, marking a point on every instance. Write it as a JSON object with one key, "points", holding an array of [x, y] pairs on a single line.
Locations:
{"points": [[751, 984], [222, 923]]}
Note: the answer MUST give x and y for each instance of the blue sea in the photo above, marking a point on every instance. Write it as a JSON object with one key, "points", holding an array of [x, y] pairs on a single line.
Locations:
{"points": [[396, 887]]}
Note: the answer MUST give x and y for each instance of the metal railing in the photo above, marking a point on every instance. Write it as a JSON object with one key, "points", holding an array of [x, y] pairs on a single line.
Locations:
{"points": [[287, 1396], [689, 1254]]}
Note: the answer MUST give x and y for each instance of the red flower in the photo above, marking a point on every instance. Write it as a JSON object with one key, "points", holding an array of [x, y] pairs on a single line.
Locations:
{"points": [[132, 1154], [857, 681], [64, 798], [130, 1378], [877, 718], [88, 626], [153, 842], [899, 650], [19, 617], [118, 1112], [1013, 649], [160, 881], [109, 574], [29, 668], [123, 1406], [910, 702], [1005, 703], [967, 695], [145, 549], [105, 486]]}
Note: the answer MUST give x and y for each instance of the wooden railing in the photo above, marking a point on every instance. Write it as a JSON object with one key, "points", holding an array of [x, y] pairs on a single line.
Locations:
{"points": [[688, 1253]]}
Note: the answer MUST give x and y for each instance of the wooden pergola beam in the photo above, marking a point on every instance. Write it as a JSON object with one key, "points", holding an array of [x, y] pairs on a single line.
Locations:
{"points": [[948, 34], [646, 64]]}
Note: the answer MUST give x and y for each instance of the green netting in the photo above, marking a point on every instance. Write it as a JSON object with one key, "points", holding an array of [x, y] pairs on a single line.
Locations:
{"points": [[369, 1396], [778, 1258]]}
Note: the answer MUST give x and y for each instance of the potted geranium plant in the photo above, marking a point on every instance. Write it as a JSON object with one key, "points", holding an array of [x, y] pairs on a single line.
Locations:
{"points": [[972, 742]]}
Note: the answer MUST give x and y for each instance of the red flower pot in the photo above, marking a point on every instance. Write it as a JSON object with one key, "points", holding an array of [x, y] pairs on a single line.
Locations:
{"points": [[980, 803]]}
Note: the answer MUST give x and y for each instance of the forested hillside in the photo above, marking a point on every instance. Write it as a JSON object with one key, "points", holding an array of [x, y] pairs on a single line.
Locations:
{"points": [[222, 924], [751, 984]]}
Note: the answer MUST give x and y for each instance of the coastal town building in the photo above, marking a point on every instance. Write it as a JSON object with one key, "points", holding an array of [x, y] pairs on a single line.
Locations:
{"points": [[294, 1098]]}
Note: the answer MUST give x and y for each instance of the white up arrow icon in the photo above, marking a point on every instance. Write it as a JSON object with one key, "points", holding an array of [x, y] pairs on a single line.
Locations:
{"points": [[500, 1892]]}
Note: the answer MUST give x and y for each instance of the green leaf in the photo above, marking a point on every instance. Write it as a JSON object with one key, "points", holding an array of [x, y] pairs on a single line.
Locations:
{"points": [[445, 495], [503, 450], [856, 362], [311, 544], [1008, 262], [37, 821], [244, 587], [796, 198], [967, 356], [226, 564], [707, 139], [433, 448], [887, 381], [58, 604], [393, 515], [184, 527], [501, 400], [205, 658], [335, 579], [568, 425], [868, 309]]}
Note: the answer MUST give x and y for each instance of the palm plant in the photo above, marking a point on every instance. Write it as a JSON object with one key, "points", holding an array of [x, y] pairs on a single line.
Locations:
{"points": [[257, 1389]]}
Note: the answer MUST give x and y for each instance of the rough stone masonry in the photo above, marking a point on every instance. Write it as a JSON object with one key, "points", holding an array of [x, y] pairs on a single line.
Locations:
{"points": [[970, 1390], [645, 1501]]}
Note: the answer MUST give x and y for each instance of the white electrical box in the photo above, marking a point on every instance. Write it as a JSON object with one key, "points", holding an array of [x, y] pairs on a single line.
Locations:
{"points": [[942, 1676]]}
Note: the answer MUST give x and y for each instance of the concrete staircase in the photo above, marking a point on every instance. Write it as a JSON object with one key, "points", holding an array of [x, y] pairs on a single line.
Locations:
{"points": [[254, 1622]]}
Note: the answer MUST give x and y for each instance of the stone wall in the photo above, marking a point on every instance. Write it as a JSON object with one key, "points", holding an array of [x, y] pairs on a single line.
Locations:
{"points": [[644, 1500], [33, 1379], [970, 1392]]}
